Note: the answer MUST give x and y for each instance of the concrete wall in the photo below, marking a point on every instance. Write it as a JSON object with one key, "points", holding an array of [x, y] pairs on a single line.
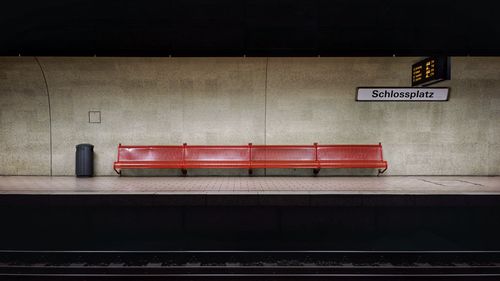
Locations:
{"points": [[241, 100], [152, 101]]}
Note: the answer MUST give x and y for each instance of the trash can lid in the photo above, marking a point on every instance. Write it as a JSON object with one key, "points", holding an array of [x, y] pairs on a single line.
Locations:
{"points": [[81, 145]]}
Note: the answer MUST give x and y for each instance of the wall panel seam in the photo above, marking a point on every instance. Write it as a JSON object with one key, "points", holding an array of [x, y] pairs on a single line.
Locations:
{"points": [[50, 112]]}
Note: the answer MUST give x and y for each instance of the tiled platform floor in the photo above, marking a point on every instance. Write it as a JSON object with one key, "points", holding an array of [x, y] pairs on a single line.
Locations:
{"points": [[250, 185]]}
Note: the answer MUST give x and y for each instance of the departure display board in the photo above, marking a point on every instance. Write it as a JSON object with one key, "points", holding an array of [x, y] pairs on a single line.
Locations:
{"points": [[430, 71]]}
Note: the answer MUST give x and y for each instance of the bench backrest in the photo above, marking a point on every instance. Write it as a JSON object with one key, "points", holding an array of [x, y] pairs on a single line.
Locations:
{"points": [[350, 153], [150, 153], [217, 153], [283, 153]]}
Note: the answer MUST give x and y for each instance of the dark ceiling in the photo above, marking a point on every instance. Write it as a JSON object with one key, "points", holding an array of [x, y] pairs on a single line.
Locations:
{"points": [[250, 27]]}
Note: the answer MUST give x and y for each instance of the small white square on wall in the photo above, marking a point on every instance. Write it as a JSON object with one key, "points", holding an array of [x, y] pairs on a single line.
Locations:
{"points": [[94, 117]]}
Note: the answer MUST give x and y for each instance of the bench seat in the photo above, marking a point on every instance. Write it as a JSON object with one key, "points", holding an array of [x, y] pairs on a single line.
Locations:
{"points": [[217, 164], [353, 164], [285, 164], [148, 165]]}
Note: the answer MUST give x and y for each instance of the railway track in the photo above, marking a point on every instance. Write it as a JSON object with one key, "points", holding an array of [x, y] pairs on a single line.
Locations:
{"points": [[249, 265]]}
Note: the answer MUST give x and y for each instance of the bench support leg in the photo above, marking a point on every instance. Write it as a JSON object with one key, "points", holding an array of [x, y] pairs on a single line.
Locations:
{"points": [[184, 172], [381, 171], [316, 171], [250, 171], [118, 172]]}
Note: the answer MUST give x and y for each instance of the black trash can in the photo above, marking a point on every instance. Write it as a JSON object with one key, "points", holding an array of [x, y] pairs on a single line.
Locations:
{"points": [[84, 166]]}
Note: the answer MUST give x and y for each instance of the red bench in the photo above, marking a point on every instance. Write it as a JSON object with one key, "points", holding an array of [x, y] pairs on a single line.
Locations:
{"points": [[249, 157]]}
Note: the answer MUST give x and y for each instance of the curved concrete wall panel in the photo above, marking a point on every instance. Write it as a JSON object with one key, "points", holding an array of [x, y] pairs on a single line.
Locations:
{"points": [[24, 118]]}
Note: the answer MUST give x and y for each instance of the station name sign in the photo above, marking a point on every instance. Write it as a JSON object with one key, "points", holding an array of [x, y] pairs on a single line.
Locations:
{"points": [[402, 94], [430, 70]]}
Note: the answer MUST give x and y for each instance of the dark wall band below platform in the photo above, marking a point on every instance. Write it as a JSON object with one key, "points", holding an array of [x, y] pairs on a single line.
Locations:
{"points": [[260, 222]]}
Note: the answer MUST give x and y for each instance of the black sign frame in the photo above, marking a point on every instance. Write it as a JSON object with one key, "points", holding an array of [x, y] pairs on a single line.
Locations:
{"points": [[430, 71]]}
